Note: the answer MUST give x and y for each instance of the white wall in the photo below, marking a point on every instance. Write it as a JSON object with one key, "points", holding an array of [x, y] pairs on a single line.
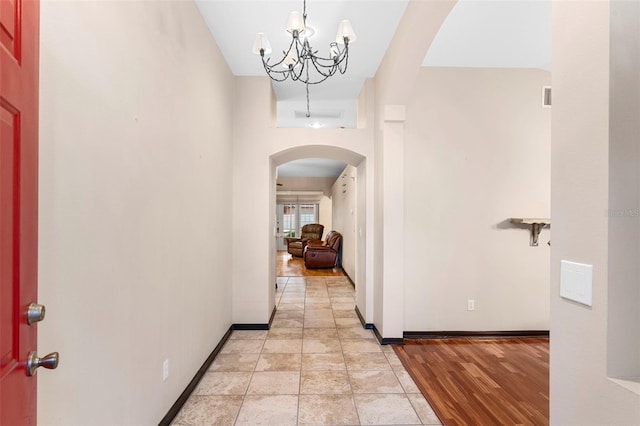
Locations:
{"points": [[365, 268], [476, 154], [394, 84], [253, 299], [136, 113], [325, 214], [344, 195], [593, 50]]}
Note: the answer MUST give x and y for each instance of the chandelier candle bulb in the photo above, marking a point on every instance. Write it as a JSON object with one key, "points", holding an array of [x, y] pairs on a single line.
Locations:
{"points": [[261, 46], [291, 60], [345, 33], [295, 24], [334, 51]]}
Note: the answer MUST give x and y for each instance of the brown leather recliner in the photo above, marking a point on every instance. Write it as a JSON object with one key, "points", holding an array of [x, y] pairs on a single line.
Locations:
{"points": [[325, 255], [309, 232]]}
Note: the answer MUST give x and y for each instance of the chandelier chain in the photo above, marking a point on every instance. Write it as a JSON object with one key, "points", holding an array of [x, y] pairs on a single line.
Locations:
{"points": [[304, 12], [308, 110]]}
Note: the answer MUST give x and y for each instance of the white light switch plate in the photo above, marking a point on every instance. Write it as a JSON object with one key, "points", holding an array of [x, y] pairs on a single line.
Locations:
{"points": [[576, 282]]}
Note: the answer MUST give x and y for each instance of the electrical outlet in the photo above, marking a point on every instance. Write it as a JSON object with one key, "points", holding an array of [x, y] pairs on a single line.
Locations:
{"points": [[165, 370], [471, 305]]}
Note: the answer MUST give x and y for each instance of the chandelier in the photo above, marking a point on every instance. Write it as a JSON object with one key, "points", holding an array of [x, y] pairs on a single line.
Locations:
{"points": [[300, 62]]}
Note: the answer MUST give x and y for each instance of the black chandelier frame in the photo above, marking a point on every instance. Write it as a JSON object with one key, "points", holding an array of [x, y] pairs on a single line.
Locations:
{"points": [[307, 59]]}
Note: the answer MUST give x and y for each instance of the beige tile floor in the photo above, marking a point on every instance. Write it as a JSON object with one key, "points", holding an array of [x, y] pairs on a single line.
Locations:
{"points": [[316, 366]]}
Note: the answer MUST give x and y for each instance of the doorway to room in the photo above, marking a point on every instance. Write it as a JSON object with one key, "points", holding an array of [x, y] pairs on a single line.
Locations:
{"points": [[315, 199], [339, 204]]}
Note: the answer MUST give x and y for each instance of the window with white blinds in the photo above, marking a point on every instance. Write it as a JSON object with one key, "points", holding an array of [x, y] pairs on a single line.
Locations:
{"points": [[295, 216], [308, 214]]}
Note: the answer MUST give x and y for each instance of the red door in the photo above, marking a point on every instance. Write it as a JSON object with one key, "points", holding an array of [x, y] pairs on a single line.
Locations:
{"points": [[18, 206]]}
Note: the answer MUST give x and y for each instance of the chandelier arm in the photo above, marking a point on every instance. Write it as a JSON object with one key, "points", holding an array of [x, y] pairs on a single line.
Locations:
{"points": [[286, 54], [279, 80], [345, 63], [307, 86], [331, 64], [342, 57], [297, 76], [331, 71], [341, 53], [326, 70], [306, 52], [345, 58], [300, 76], [303, 80], [274, 73], [278, 75], [319, 81], [325, 63], [302, 57]]}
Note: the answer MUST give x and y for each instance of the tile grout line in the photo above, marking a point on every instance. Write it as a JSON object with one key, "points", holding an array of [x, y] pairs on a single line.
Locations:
{"points": [[304, 310], [346, 368]]}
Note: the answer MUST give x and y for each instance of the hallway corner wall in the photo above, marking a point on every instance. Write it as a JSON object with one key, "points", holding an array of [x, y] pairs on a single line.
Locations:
{"points": [[135, 140]]}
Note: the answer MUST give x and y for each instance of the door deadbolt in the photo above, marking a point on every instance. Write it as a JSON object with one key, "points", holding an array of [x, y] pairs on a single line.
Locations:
{"points": [[49, 362], [35, 313]]}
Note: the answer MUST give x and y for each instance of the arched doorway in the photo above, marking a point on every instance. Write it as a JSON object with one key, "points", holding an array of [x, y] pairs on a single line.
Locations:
{"points": [[362, 277]]}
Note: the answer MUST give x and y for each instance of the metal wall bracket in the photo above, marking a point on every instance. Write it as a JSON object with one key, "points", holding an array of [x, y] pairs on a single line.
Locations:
{"points": [[535, 225]]}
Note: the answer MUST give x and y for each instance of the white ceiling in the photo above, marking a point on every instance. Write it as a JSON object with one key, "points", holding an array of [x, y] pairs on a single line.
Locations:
{"points": [[312, 167], [477, 33], [494, 34], [234, 24]]}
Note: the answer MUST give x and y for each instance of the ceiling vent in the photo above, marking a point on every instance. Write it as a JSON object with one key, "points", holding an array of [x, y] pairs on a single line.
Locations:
{"points": [[319, 115]]}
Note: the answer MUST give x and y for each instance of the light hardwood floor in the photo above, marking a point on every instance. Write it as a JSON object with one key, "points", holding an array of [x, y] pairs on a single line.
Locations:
{"points": [[291, 266]]}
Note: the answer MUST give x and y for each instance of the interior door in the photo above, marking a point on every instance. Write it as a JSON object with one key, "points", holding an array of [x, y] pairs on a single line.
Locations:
{"points": [[19, 32]]}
